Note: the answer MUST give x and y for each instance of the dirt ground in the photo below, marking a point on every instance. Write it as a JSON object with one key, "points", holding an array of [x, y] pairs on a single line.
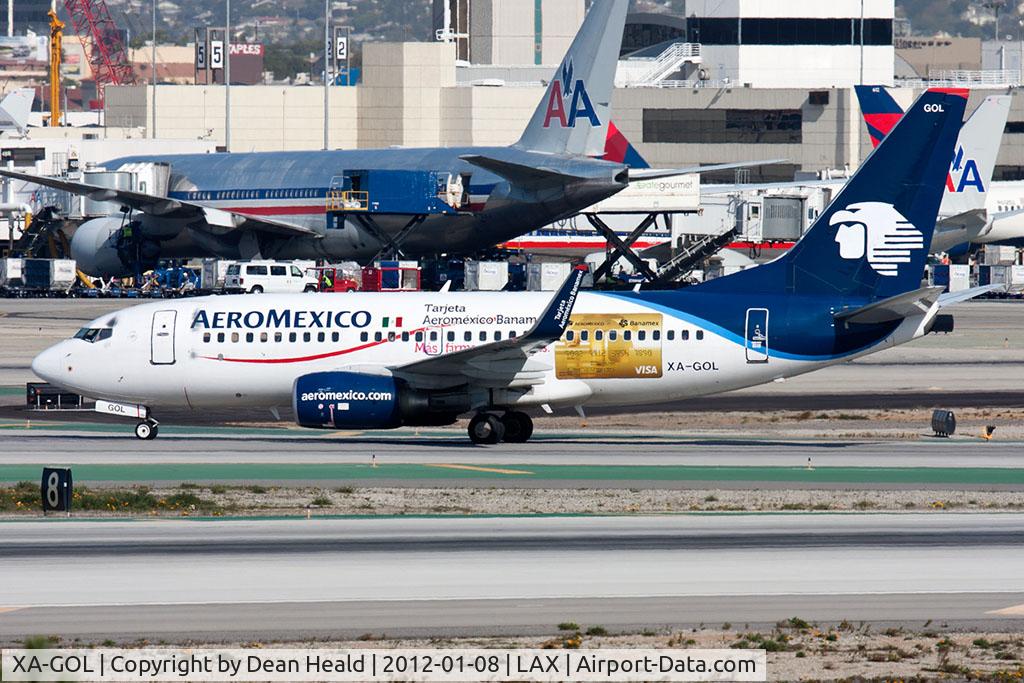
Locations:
{"points": [[796, 650]]}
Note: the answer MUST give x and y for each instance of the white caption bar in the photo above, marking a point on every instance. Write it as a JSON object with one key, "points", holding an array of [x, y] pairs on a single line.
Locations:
{"points": [[159, 664]]}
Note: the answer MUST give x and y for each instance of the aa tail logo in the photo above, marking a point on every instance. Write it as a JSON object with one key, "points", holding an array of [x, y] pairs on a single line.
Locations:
{"points": [[879, 232], [579, 106], [969, 174]]}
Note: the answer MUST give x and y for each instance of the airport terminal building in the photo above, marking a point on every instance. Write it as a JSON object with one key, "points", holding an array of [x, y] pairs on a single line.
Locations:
{"points": [[730, 81]]}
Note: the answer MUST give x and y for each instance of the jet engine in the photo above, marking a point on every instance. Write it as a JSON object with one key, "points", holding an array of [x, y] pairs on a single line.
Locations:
{"points": [[105, 247], [355, 400]]}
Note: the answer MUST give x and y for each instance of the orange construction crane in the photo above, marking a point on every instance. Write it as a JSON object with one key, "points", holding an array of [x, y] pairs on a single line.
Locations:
{"points": [[56, 37]]}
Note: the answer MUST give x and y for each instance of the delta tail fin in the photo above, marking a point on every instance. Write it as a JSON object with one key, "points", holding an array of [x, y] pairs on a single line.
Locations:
{"points": [[572, 117], [974, 161], [619, 149], [15, 109], [872, 241]]}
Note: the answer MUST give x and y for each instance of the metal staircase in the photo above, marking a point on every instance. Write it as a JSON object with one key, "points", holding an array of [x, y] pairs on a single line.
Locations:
{"points": [[670, 61]]}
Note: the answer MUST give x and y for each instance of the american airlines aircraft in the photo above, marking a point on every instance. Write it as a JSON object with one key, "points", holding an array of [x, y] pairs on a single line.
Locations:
{"points": [[976, 209], [357, 204], [850, 287]]}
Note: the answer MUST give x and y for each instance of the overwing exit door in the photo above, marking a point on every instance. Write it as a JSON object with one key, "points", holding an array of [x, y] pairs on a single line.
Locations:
{"points": [[757, 335], [162, 341]]}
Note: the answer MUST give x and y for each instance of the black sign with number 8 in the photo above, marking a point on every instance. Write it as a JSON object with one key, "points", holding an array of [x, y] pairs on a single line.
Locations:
{"points": [[56, 489]]}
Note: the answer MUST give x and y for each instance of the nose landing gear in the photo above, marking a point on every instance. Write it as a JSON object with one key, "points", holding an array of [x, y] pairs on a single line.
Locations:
{"points": [[147, 429], [489, 429]]}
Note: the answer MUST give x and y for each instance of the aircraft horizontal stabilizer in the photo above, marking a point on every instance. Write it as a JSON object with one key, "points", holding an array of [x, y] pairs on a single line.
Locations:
{"points": [[950, 298], [518, 173], [906, 305], [656, 173], [165, 207]]}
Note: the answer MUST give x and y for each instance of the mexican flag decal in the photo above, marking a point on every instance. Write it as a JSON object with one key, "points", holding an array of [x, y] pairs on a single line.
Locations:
{"points": [[392, 322]]}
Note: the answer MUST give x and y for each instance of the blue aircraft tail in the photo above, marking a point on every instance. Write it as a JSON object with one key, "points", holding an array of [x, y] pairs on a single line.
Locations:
{"points": [[872, 240]]}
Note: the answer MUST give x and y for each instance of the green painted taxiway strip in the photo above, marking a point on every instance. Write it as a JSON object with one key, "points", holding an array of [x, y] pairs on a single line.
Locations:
{"points": [[244, 472]]}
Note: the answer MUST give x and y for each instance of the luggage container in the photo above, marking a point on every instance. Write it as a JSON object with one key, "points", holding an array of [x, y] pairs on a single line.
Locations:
{"points": [[392, 276], [486, 276], [11, 272], [213, 272], [959, 278], [546, 277]]}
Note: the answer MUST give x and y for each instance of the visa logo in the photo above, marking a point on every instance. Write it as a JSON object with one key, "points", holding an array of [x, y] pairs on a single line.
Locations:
{"points": [[561, 90], [647, 370], [969, 176]]}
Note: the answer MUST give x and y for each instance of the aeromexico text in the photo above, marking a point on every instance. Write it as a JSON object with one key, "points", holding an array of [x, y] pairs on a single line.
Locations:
{"points": [[324, 319]]}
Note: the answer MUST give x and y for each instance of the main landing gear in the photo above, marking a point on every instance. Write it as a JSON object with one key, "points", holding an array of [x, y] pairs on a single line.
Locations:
{"points": [[511, 427], [147, 429]]}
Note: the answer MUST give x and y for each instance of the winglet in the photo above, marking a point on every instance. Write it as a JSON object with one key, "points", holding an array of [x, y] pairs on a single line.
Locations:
{"points": [[555, 319]]}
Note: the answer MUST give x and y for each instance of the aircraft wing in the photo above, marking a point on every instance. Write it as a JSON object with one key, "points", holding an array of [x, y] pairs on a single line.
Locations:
{"points": [[217, 220], [655, 173], [502, 363]]}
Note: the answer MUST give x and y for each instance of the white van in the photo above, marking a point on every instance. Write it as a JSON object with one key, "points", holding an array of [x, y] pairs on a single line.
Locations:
{"points": [[272, 277]]}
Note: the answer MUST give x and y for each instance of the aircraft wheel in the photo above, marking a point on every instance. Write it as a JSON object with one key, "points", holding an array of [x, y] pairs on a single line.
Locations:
{"points": [[146, 431], [518, 427], [485, 428]]}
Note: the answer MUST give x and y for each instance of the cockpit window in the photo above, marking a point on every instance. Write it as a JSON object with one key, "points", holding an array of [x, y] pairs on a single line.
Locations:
{"points": [[94, 334]]}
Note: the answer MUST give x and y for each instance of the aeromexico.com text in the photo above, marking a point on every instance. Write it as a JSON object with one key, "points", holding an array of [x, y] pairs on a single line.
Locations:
{"points": [[286, 318]]}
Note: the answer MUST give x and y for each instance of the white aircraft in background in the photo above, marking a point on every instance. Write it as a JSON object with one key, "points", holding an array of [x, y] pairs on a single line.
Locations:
{"points": [[850, 287], [976, 209], [15, 109]]}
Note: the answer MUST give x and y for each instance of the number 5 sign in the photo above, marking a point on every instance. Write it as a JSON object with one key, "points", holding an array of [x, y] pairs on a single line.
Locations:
{"points": [[56, 490]]}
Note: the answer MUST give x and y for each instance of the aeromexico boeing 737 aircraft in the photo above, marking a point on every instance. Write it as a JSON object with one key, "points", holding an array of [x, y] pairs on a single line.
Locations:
{"points": [[354, 204], [850, 287]]}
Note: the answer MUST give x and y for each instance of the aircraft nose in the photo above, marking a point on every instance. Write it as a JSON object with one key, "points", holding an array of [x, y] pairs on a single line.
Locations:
{"points": [[48, 365]]}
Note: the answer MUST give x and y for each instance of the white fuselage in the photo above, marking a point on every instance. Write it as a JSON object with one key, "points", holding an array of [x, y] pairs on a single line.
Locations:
{"points": [[247, 351]]}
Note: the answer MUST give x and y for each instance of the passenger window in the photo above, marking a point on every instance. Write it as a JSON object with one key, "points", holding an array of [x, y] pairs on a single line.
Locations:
{"points": [[278, 337], [700, 335], [306, 336], [598, 335], [656, 335], [293, 337], [321, 337], [585, 335], [627, 335], [570, 335], [419, 336], [433, 336], [497, 336], [234, 337], [686, 335], [451, 336], [264, 337], [377, 336], [220, 337], [249, 336], [512, 334], [405, 336], [671, 335], [256, 270], [483, 336], [641, 335], [335, 336], [278, 271], [468, 336], [392, 336], [613, 335], [296, 271], [206, 338], [364, 336]]}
